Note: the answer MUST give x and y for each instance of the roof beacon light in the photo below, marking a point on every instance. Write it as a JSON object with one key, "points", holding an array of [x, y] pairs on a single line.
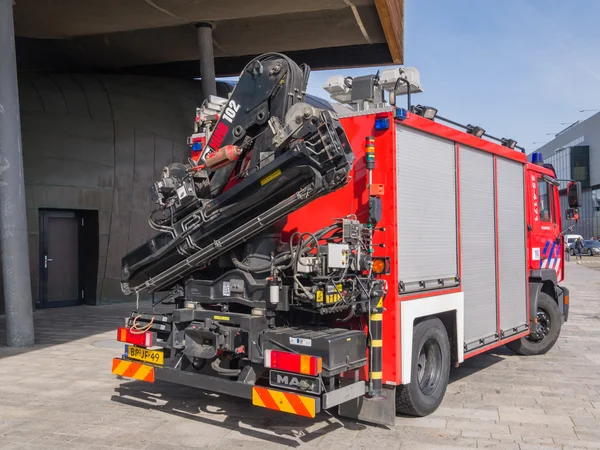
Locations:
{"points": [[429, 112], [510, 143], [475, 130], [537, 158]]}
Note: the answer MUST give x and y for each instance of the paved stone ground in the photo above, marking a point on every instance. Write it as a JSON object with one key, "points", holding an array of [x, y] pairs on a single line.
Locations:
{"points": [[61, 395]]}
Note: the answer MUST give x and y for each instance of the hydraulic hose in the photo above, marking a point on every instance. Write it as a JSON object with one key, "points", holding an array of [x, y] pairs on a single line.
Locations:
{"points": [[216, 366], [257, 269]]}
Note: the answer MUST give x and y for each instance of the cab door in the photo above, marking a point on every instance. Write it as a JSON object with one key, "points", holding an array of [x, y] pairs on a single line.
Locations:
{"points": [[547, 252]]}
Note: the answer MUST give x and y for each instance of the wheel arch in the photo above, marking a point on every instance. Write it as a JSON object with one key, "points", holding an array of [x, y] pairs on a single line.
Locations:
{"points": [[543, 280], [449, 308]]}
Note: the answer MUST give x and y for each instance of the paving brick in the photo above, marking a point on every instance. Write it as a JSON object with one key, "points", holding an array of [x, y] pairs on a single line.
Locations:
{"points": [[586, 423], [541, 419], [476, 434], [495, 444], [478, 425], [540, 447], [466, 413], [507, 437], [539, 431], [577, 443]]}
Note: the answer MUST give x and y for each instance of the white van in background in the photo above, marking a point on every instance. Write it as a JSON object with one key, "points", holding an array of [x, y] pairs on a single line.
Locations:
{"points": [[570, 240]]}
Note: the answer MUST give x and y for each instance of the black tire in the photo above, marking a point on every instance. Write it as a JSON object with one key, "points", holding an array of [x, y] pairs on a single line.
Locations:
{"points": [[545, 336], [589, 252], [430, 370], [572, 252]]}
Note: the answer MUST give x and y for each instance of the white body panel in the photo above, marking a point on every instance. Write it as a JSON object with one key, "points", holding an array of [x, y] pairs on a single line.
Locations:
{"points": [[413, 309]]}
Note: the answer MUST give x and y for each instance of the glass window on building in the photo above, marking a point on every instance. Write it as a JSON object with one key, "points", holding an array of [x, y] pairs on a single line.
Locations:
{"points": [[596, 212], [544, 194]]}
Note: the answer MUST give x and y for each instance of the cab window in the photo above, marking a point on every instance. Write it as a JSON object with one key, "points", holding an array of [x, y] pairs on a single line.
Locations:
{"points": [[545, 194]]}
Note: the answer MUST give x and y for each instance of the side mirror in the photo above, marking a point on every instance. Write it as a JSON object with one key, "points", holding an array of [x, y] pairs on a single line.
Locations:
{"points": [[574, 194], [572, 214]]}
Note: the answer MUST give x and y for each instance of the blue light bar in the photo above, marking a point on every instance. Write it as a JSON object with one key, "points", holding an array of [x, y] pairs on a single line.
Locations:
{"points": [[197, 146], [537, 158], [382, 123], [400, 114]]}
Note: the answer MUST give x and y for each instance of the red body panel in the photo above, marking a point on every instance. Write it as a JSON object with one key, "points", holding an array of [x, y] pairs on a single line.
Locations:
{"points": [[544, 251], [353, 199]]}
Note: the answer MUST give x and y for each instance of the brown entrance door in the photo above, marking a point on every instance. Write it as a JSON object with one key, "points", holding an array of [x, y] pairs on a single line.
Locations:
{"points": [[60, 265]]}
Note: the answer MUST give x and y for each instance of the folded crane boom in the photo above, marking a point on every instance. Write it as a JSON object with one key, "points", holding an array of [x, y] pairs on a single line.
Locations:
{"points": [[294, 154]]}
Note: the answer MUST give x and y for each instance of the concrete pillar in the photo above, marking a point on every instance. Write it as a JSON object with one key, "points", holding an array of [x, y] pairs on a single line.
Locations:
{"points": [[207, 59], [13, 219]]}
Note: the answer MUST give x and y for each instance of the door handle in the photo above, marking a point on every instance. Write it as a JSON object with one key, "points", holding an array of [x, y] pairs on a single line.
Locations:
{"points": [[46, 261]]}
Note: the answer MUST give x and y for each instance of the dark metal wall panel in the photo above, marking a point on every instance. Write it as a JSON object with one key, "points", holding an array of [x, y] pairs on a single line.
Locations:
{"points": [[427, 240], [74, 96], [511, 245], [121, 211], [143, 176], [80, 152], [478, 243]]}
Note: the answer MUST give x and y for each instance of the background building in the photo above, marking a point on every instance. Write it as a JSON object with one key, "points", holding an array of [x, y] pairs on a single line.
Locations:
{"points": [[575, 155]]}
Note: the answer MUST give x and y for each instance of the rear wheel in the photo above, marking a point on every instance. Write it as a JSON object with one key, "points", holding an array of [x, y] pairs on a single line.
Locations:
{"points": [[430, 370], [589, 252], [545, 334]]}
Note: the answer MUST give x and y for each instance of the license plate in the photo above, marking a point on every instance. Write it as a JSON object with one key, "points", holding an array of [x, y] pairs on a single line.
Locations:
{"points": [[142, 354], [310, 385]]}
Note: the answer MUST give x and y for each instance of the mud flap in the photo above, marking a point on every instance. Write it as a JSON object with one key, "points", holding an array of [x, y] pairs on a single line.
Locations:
{"points": [[380, 410]]}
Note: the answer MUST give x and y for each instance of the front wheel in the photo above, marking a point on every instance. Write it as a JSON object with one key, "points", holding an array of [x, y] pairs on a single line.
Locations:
{"points": [[572, 252], [545, 334], [430, 369]]}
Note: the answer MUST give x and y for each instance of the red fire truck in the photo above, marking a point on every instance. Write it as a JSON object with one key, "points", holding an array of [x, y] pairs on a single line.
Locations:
{"points": [[316, 259]]}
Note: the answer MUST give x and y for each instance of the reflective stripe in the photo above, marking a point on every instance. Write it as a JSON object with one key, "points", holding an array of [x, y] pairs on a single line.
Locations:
{"points": [[376, 375], [134, 370], [376, 343], [377, 316], [288, 402]]}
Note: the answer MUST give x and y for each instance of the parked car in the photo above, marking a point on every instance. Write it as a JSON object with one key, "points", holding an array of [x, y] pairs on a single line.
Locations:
{"points": [[570, 239], [590, 248]]}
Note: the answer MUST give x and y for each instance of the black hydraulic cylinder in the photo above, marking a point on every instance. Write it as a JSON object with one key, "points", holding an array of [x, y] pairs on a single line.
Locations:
{"points": [[13, 219], [207, 59]]}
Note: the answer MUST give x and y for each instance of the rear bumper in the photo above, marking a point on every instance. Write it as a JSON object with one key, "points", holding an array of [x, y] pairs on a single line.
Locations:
{"points": [[262, 396]]}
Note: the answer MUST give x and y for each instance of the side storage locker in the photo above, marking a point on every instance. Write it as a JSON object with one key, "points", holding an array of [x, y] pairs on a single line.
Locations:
{"points": [[427, 205], [512, 247], [478, 246]]}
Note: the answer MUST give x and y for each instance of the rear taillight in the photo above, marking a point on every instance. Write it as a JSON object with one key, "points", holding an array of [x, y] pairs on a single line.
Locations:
{"points": [[293, 362], [143, 339]]}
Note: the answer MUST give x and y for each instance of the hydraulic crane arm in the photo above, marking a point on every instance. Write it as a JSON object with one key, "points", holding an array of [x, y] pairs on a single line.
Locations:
{"points": [[294, 154]]}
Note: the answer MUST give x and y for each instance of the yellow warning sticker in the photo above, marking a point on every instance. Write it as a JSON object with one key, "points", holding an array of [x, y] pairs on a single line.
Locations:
{"points": [[319, 296], [270, 177], [380, 303], [221, 318]]}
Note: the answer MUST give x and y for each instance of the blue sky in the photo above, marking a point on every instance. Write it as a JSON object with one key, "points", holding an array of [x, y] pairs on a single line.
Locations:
{"points": [[518, 68]]}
